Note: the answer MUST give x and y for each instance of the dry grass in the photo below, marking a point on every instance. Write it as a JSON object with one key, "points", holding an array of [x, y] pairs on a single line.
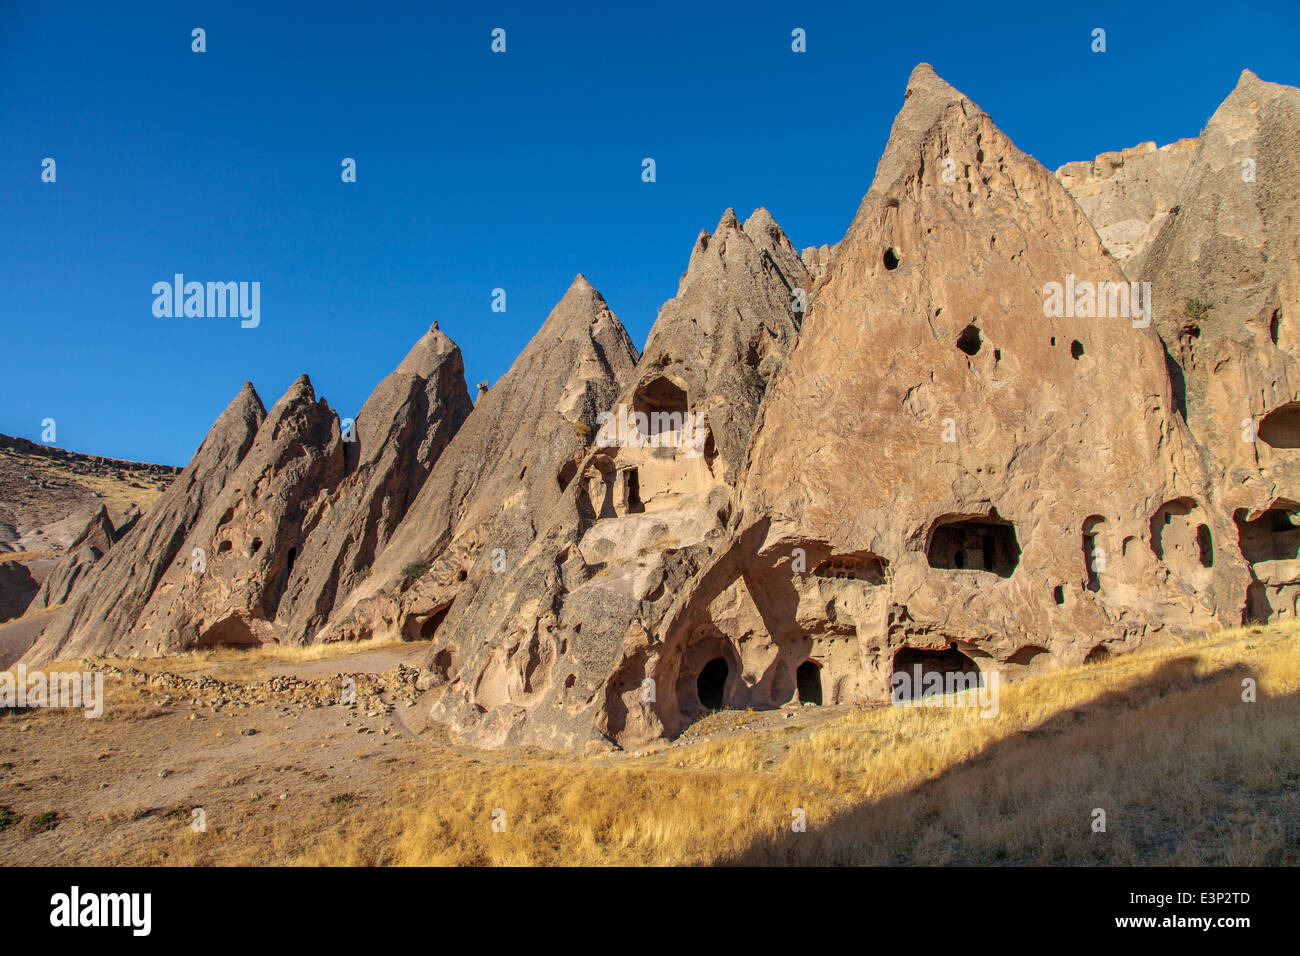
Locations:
{"points": [[292, 653], [24, 556], [1186, 771], [1161, 740]]}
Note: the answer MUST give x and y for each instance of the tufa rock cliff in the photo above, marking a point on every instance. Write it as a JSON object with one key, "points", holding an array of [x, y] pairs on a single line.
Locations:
{"points": [[1011, 421]]}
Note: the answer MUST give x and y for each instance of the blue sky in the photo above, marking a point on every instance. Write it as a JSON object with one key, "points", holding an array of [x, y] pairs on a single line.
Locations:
{"points": [[478, 170]]}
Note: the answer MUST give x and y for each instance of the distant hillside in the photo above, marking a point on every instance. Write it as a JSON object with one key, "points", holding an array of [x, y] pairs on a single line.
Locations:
{"points": [[47, 493]]}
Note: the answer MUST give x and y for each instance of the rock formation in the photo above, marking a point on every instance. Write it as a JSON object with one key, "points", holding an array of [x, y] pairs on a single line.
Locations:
{"points": [[1225, 275], [109, 600], [628, 519], [87, 548], [478, 514], [399, 434], [1128, 194], [939, 464], [275, 520], [961, 439]]}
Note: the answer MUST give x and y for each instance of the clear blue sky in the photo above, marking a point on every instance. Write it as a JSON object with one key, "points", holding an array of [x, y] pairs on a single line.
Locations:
{"points": [[478, 170]]}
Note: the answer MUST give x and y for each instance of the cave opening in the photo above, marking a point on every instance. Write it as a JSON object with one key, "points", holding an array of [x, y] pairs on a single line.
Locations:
{"points": [[1092, 559], [809, 680], [1205, 546], [430, 627], [920, 672], [992, 539], [1281, 427], [1270, 537], [664, 405], [712, 683], [633, 479], [970, 341]]}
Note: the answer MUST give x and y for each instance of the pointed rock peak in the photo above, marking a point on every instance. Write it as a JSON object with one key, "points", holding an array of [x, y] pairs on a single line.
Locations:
{"points": [[1248, 84], [299, 393], [98, 530], [232, 432], [715, 241], [923, 77], [728, 221], [438, 336], [1245, 111], [577, 314], [760, 219], [934, 116], [301, 387], [926, 88], [429, 351], [581, 296], [246, 402], [767, 232]]}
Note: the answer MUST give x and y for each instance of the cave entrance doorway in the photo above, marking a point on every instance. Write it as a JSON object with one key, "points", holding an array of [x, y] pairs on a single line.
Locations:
{"points": [[711, 683], [913, 666], [981, 543], [808, 678]]}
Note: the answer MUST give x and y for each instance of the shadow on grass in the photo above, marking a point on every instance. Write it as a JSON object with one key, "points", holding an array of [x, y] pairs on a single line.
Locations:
{"points": [[1157, 756]]}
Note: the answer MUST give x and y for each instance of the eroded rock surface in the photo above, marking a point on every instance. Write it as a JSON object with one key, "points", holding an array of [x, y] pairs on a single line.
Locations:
{"points": [[1128, 194], [938, 463], [110, 599], [87, 548], [960, 440], [1225, 275], [473, 563]]}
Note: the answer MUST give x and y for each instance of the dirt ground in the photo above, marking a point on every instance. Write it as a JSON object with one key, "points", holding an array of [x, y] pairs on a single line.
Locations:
{"points": [[263, 740]]}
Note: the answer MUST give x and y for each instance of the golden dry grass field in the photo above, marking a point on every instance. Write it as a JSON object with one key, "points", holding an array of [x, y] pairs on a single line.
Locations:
{"points": [[1186, 771]]}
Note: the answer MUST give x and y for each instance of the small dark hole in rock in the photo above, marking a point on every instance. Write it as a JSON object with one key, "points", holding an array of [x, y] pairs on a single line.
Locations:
{"points": [[969, 341]]}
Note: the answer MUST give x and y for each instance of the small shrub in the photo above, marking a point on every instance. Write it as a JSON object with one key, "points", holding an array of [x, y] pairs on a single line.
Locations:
{"points": [[47, 821], [413, 572], [754, 379], [1196, 310], [7, 818]]}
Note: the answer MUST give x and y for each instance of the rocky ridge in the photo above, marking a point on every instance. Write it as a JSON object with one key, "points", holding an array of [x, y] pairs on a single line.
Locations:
{"points": [[955, 441]]}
